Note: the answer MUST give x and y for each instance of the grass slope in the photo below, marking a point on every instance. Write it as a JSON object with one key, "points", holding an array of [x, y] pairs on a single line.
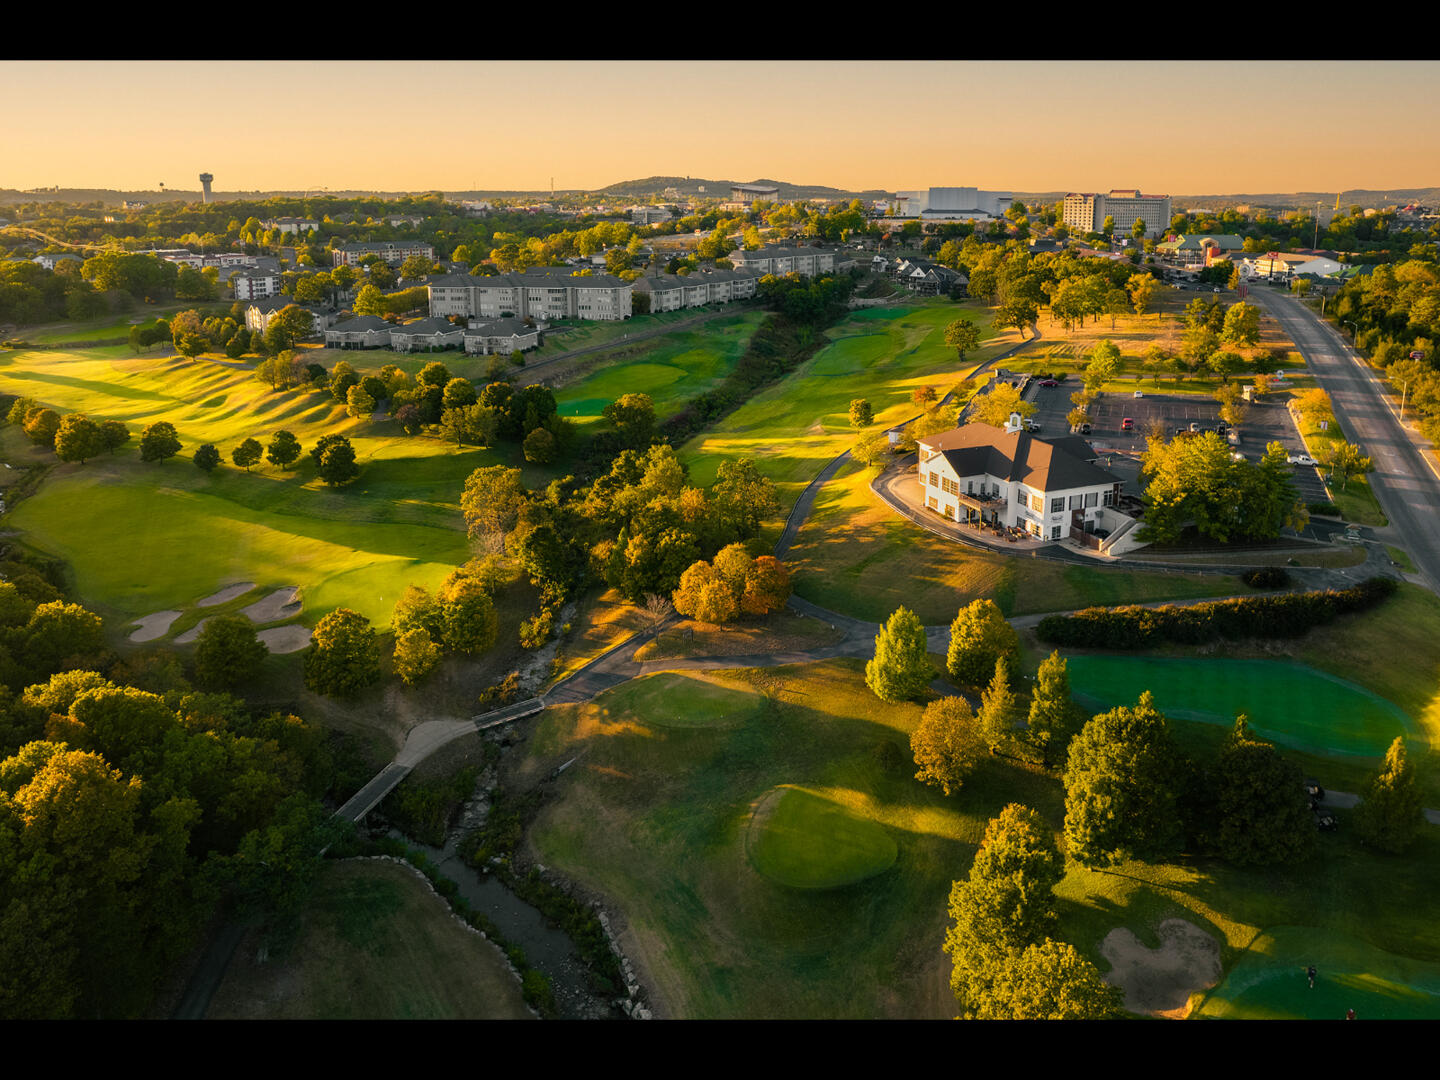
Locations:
{"points": [[792, 429], [374, 943]]}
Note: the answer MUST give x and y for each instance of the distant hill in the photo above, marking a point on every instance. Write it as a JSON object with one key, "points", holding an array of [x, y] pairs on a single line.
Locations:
{"points": [[690, 186]]}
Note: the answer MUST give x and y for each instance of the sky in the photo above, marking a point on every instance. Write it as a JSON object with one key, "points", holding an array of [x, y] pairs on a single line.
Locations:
{"points": [[1172, 127]]}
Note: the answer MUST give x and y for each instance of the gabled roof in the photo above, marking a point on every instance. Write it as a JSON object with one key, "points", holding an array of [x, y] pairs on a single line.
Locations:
{"points": [[361, 324], [500, 328], [427, 327], [1042, 464]]}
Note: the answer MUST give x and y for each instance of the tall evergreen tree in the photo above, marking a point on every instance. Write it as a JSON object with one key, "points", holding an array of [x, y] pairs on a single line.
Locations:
{"points": [[999, 710], [1391, 815], [1264, 816], [1054, 717], [901, 670]]}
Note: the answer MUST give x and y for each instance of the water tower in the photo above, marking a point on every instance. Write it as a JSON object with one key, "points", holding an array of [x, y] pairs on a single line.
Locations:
{"points": [[205, 181]]}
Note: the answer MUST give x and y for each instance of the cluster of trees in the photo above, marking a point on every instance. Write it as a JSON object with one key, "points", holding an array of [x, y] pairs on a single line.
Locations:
{"points": [[74, 437], [1195, 481], [735, 582], [639, 526], [1005, 964], [460, 618], [31, 294], [128, 800]]}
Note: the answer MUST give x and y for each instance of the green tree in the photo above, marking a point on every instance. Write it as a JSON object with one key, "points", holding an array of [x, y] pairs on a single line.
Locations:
{"points": [[369, 301], [872, 451], [1389, 816], [227, 653], [467, 615], [999, 710], [633, 418], [344, 654], [284, 449], [979, 636], [962, 335], [1142, 288], [995, 406], [1241, 326], [1050, 981], [358, 404], [113, 435], [1263, 815], [435, 374], [705, 596], [492, 500], [247, 454], [1120, 788], [77, 438], [861, 415], [159, 441], [416, 655], [207, 457], [1344, 458], [945, 745], [901, 669], [41, 426], [1054, 717], [335, 459], [539, 447], [1003, 906], [1103, 367]]}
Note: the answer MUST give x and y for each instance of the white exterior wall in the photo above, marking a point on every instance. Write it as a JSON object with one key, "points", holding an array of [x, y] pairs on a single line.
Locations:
{"points": [[1017, 500]]}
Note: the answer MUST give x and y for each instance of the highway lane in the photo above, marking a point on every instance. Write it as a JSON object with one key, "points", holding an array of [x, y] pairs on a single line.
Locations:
{"points": [[1405, 482]]}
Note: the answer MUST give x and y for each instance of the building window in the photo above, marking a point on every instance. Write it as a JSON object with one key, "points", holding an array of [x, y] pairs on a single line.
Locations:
{"points": [[1055, 532], [1056, 505], [1037, 504], [1109, 498], [1092, 497], [934, 479]]}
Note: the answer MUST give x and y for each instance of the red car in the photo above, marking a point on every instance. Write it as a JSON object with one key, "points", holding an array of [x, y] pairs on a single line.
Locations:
{"points": [[1127, 424], [1048, 382]]}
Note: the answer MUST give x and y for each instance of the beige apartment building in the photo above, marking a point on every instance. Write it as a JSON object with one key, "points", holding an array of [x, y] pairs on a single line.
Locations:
{"points": [[805, 261], [543, 293], [1085, 212]]}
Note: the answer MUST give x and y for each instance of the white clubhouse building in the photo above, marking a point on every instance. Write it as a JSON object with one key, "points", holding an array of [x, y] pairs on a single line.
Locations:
{"points": [[1051, 488]]}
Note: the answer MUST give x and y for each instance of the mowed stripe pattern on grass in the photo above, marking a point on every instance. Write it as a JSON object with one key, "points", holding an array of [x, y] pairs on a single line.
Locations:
{"points": [[1292, 704]]}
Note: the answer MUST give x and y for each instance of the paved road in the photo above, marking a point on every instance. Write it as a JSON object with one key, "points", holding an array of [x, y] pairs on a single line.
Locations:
{"points": [[1405, 482]]}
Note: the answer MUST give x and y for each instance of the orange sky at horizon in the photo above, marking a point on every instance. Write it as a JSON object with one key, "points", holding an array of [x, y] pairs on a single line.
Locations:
{"points": [[1181, 128]]}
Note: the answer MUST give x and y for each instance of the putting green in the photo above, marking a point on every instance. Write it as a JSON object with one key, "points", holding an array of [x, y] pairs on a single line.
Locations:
{"points": [[805, 841], [1269, 981], [1292, 704], [683, 699]]}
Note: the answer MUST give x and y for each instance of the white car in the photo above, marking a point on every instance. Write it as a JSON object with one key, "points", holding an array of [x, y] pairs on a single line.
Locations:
{"points": [[1139, 393], [1301, 459]]}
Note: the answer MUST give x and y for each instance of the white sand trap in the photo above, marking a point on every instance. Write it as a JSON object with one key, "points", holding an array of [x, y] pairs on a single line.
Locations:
{"points": [[282, 639], [280, 604], [1160, 981], [189, 636], [225, 595], [154, 626]]}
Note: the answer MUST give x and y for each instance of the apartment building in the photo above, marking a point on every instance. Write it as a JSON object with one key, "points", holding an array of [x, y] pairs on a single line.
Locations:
{"points": [[394, 252], [503, 336], [290, 226], [542, 293], [255, 284], [1085, 212], [671, 292], [805, 261]]}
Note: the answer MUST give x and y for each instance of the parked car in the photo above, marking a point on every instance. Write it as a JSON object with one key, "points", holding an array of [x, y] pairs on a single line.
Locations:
{"points": [[1301, 459], [1084, 429], [1127, 424], [1194, 425], [1048, 382], [1139, 393]]}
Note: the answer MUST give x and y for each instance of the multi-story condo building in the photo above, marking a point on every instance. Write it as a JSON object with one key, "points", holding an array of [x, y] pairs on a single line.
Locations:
{"points": [[953, 204], [745, 194], [394, 252], [542, 293], [503, 336], [1051, 488], [1085, 212], [259, 313], [255, 284], [805, 261], [670, 292], [290, 225]]}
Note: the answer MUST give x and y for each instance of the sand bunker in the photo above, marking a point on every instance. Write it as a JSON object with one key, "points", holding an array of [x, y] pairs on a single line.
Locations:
{"points": [[1160, 981], [280, 604], [189, 636], [283, 639], [225, 595], [154, 626]]}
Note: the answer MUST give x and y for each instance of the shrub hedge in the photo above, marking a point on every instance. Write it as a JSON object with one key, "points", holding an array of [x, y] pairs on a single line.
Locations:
{"points": [[1266, 577], [1287, 615]]}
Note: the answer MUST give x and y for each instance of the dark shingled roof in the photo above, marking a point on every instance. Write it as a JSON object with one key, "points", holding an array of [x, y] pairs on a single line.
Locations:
{"points": [[1042, 464]]}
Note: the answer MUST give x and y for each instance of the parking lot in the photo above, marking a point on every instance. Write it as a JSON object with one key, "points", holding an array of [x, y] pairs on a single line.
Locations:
{"points": [[1268, 421]]}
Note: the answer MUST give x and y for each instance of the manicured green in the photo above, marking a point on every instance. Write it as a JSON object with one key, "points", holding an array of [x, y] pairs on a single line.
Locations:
{"points": [[1270, 983], [805, 841], [671, 369], [683, 699], [1291, 704]]}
